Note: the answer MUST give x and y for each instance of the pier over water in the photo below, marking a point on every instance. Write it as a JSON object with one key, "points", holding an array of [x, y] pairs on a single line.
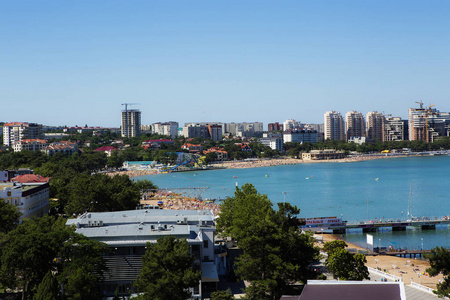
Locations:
{"points": [[381, 225]]}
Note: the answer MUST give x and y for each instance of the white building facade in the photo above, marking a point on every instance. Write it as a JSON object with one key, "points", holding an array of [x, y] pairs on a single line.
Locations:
{"points": [[14, 132], [334, 128], [355, 126], [375, 126], [166, 128], [30, 199], [128, 232]]}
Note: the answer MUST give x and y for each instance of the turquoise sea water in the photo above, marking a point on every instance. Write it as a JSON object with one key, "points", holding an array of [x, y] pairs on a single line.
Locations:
{"points": [[358, 191]]}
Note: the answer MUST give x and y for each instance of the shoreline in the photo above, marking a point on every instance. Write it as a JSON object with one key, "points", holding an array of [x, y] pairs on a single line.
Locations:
{"points": [[405, 268], [259, 163], [292, 161]]}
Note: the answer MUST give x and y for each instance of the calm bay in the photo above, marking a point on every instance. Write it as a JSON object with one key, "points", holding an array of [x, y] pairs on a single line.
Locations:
{"points": [[393, 188]]}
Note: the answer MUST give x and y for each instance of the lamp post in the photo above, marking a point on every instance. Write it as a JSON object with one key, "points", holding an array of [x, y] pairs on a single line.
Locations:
{"points": [[376, 261], [379, 245], [421, 240], [284, 197], [418, 274]]}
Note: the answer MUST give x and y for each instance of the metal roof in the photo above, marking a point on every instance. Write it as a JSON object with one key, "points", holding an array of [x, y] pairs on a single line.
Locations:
{"points": [[145, 216]]}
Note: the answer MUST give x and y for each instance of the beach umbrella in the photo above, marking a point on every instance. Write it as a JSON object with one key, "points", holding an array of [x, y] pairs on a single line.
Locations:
{"points": [[160, 202]]}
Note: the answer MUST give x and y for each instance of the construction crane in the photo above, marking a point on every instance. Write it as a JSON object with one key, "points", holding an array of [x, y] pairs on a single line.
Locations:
{"points": [[427, 110], [420, 103], [126, 117]]}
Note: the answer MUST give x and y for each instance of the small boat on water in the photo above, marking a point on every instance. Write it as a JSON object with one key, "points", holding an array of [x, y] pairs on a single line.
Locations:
{"points": [[235, 177], [266, 175]]}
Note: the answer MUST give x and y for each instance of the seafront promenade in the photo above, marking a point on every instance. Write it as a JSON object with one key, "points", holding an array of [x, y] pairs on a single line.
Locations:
{"points": [[409, 270]]}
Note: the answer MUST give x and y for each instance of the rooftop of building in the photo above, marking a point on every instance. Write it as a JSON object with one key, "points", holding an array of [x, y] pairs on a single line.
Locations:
{"points": [[349, 290], [159, 141], [30, 178], [27, 141], [15, 124], [106, 148], [145, 216]]}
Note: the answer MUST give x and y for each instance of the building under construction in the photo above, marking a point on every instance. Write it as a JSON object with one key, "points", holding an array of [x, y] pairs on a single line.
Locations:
{"points": [[427, 123], [131, 121]]}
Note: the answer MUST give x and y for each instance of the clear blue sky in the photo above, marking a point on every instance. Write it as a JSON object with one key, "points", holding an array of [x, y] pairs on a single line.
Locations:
{"points": [[75, 62]]}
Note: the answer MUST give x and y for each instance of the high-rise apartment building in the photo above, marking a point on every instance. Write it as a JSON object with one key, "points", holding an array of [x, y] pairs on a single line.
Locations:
{"points": [[334, 126], [375, 126], [166, 128], [427, 124], [355, 126], [274, 126], [131, 123], [292, 124], [244, 129], [193, 130], [395, 129], [14, 132]]}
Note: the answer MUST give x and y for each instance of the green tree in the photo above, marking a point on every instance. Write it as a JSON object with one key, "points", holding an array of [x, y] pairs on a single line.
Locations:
{"points": [[332, 246], [9, 216], [81, 266], [39, 246], [222, 295], [439, 259], [347, 266], [210, 157], [48, 288], [275, 253], [167, 271], [28, 252], [145, 184], [100, 192]]}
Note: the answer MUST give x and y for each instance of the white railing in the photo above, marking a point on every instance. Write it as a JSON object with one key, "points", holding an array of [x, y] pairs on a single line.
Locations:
{"points": [[422, 287], [384, 274]]}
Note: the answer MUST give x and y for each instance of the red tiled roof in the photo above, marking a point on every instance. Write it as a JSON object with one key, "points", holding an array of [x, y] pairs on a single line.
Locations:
{"points": [[30, 178], [27, 141], [159, 141], [106, 148], [14, 124]]}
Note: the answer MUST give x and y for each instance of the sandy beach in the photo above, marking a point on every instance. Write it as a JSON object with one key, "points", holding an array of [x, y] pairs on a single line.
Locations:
{"points": [[290, 161], [168, 200], [404, 268], [258, 163]]}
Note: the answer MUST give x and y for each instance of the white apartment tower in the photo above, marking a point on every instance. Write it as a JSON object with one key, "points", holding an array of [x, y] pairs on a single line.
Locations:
{"points": [[375, 126], [131, 123], [291, 124], [334, 126], [166, 128], [14, 132], [355, 126]]}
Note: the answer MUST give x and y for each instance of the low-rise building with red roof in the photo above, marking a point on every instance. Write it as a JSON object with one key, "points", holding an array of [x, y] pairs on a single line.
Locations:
{"points": [[30, 144], [221, 153], [155, 144], [65, 147], [107, 149], [30, 178], [195, 148]]}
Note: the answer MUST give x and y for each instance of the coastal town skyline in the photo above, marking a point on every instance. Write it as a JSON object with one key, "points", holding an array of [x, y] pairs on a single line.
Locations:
{"points": [[75, 63]]}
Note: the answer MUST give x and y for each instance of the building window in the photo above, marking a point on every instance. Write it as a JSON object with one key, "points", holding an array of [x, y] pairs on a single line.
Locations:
{"points": [[205, 244]]}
